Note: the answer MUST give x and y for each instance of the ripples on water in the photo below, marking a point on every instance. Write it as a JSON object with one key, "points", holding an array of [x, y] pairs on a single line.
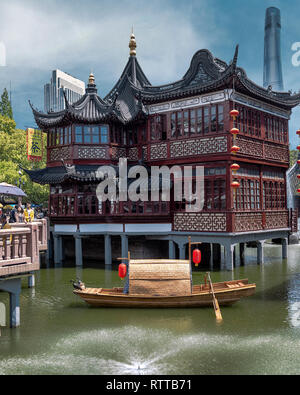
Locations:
{"points": [[132, 350]]}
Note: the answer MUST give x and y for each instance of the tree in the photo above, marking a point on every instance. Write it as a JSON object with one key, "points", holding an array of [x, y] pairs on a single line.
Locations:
{"points": [[12, 154], [5, 105], [293, 157]]}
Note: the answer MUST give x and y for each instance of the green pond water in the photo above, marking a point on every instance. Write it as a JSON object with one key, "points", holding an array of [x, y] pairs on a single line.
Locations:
{"points": [[60, 334]]}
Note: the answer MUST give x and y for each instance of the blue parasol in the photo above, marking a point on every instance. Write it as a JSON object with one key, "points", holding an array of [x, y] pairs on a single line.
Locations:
{"points": [[8, 189]]}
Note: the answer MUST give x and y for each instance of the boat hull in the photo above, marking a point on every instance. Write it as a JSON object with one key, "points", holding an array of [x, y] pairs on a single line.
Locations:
{"points": [[226, 293]]}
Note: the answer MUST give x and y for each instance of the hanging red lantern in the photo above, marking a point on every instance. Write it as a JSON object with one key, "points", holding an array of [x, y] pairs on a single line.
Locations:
{"points": [[235, 185], [298, 132], [298, 176], [122, 270], [234, 113], [234, 131], [234, 149], [234, 167], [298, 147], [298, 190], [298, 162], [196, 256]]}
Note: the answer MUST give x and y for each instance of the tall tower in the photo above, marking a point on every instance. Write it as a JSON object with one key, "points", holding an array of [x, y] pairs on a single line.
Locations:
{"points": [[272, 53]]}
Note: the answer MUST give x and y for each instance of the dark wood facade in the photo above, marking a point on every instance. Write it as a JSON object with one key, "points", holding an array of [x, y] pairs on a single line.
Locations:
{"points": [[184, 123]]}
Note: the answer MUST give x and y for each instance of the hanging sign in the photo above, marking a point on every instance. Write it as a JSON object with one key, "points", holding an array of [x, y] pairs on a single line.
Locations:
{"points": [[34, 144]]}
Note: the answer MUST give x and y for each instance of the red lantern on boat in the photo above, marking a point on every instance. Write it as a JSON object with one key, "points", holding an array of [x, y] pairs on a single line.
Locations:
{"points": [[234, 113], [196, 256], [122, 270]]}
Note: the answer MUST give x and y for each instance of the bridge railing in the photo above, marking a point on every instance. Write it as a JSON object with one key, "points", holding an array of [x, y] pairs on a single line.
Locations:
{"points": [[42, 231], [19, 249]]}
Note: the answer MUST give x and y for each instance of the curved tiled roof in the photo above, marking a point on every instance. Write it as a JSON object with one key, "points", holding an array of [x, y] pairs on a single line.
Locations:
{"points": [[125, 102]]}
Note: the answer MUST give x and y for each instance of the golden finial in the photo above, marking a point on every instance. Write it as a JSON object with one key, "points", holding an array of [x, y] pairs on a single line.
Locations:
{"points": [[91, 79], [132, 44]]}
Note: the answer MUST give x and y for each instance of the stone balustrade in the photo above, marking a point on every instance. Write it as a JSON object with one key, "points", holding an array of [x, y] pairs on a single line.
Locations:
{"points": [[42, 232], [19, 249]]}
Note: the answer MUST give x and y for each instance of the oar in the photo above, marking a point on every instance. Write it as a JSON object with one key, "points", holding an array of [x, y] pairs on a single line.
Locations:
{"points": [[215, 301]]}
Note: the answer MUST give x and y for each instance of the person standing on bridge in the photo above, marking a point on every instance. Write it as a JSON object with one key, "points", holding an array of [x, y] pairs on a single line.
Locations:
{"points": [[29, 213]]}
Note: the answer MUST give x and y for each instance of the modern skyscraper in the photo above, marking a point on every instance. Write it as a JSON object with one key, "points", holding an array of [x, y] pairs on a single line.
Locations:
{"points": [[53, 92], [272, 53]]}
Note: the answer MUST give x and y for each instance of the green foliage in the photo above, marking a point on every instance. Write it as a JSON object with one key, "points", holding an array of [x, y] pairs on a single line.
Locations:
{"points": [[13, 152], [293, 157], [5, 105]]}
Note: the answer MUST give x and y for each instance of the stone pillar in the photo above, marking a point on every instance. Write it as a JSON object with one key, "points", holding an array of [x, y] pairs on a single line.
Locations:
{"points": [[181, 247], [124, 245], [171, 249], [13, 287], [78, 249], [14, 308], [229, 248], [284, 244], [107, 249], [57, 249], [260, 251], [31, 281]]}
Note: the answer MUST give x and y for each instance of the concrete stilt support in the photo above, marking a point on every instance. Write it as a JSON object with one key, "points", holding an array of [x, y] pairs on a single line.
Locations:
{"points": [[181, 250], [57, 249], [13, 287], [124, 245], [229, 249], [31, 281], [107, 243], [78, 250], [260, 252], [284, 243], [171, 249]]}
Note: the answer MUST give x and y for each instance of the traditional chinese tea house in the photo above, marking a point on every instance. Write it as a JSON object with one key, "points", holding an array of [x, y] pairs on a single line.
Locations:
{"points": [[245, 154]]}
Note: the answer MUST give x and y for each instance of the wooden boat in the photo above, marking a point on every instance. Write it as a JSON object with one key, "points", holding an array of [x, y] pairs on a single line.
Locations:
{"points": [[227, 293], [164, 283]]}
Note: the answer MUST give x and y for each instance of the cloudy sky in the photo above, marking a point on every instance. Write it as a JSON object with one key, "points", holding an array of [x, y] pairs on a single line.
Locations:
{"points": [[78, 36]]}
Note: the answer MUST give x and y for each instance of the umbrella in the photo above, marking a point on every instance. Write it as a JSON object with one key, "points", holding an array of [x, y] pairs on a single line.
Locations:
{"points": [[8, 189]]}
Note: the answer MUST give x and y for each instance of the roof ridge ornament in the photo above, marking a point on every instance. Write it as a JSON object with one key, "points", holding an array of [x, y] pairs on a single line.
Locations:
{"points": [[132, 44], [91, 79], [235, 57]]}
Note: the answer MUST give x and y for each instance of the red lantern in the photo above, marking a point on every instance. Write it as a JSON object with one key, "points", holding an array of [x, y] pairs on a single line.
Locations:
{"points": [[234, 113], [235, 185], [196, 256], [298, 147], [234, 167], [122, 270], [298, 190], [298, 162], [298, 176], [234, 131], [234, 149], [298, 132]]}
